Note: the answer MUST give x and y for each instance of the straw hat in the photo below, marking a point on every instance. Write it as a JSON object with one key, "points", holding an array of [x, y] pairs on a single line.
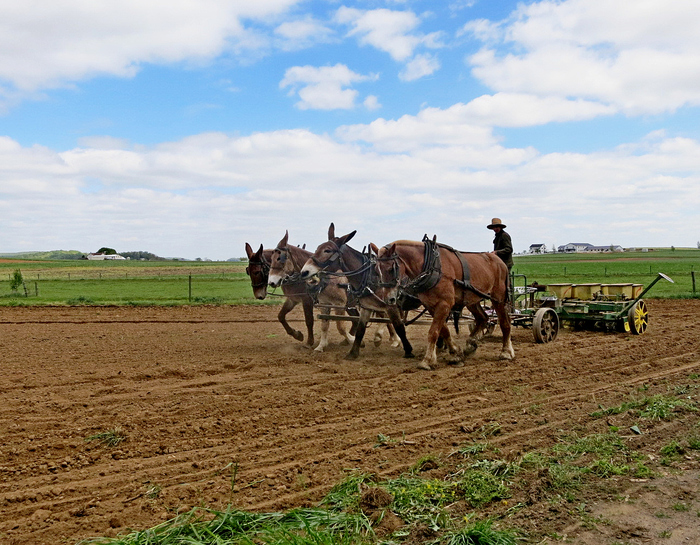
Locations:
{"points": [[496, 222]]}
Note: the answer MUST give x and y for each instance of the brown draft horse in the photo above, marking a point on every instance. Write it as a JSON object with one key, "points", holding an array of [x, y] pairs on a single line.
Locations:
{"points": [[402, 261], [285, 267], [361, 277]]}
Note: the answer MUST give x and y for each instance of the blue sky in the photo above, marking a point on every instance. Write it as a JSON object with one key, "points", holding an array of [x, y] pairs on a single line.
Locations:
{"points": [[189, 128]]}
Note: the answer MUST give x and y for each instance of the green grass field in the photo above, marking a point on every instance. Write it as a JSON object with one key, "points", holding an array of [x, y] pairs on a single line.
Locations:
{"points": [[175, 282]]}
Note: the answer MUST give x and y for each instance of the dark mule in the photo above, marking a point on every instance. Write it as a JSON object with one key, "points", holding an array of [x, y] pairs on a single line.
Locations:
{"points": [[443, 286], [258, 269], [358, 267], [285, 271]]}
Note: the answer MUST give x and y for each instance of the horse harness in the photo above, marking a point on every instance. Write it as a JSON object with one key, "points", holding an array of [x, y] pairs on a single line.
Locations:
{"points": [[431, 273], [367, 279]]}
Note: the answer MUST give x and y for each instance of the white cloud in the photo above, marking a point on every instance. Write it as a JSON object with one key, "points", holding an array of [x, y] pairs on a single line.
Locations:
{"points": [[420, 66], [372, 103], [208, 194], [638, 60], [323, 88], [393, 32], [469, 124], [67, 40], [302, 33]]}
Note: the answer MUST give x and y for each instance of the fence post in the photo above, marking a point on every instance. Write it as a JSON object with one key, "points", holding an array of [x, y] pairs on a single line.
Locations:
{"points": [[36, 289], [190, 289], [692, 275]]}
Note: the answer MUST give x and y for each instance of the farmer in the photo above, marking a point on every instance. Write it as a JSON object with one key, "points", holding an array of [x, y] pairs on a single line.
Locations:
{"points": [[502, 245]]}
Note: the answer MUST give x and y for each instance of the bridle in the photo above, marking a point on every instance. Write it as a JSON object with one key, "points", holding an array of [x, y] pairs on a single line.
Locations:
{"points": [[262, 267], [335, 256], [295, 276], [395, 271]]}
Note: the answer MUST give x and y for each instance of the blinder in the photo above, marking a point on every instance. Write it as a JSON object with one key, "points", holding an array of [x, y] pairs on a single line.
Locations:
{"points": [[336, 256]]}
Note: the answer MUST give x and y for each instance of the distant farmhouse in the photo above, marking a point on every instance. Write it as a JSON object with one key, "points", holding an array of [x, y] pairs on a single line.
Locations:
{"points": [[537, 249], [572, 247], [104, 257]]}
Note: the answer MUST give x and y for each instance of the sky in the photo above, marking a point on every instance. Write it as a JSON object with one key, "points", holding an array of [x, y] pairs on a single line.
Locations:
{"points": [[187, 128]]}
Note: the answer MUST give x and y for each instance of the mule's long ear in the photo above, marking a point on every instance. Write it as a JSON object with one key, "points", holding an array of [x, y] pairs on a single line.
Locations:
{"points": [[259, 253], [392, 249], [249, 251], [345, 238], [283, 242], [331, 232], [373, 248]]}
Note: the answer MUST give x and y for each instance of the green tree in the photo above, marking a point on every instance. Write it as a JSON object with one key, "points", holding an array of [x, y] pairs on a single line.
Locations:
{"points": [[106, 251], [16, 280]]}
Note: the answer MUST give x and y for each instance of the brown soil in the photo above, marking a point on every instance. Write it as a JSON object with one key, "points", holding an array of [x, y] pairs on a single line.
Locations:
{"points": [[221, 408]]}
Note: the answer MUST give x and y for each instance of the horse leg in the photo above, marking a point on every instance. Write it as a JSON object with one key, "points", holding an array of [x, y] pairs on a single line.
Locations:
{"points": [[456, 355], [325, 324], [379, 332], [507, 352], [353, 327], [359, 334], [477, 332], [440, 314], [393, 337], [309, 319], [288, 305], [400, 330], [348, 337]]}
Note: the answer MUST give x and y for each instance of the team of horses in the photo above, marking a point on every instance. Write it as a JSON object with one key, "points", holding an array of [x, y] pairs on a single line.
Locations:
{"points": [[386, 281]]}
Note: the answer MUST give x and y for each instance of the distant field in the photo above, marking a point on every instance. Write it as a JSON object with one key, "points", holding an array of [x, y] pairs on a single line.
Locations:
{"points": [[126, 282], [192, 282]]}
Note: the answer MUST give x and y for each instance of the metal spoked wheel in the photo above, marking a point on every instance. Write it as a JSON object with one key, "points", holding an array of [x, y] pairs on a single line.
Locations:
{"points": [[545, 325], [638, 318]]}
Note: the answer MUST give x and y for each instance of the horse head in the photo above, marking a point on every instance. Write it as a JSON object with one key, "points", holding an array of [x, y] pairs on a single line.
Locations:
{"points": [[328, 255], [258, 270], [281, 263], [390, 269]]}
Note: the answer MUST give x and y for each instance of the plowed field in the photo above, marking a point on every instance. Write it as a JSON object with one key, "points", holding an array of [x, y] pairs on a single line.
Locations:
{"points": [[219, 407]]}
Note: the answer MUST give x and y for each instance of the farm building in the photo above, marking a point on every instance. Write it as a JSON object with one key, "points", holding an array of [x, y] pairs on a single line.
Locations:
{"points": [[608, 248], [574, 247], [586, 247], [104, 257], [537, 249]]}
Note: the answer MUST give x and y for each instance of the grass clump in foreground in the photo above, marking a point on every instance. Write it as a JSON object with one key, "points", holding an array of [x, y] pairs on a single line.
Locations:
{"points": [[345, 517], [450, 510]]}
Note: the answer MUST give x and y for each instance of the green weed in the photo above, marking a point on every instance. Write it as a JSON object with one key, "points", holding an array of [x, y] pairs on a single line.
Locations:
{"points": [[109, 438], [480, 533]]}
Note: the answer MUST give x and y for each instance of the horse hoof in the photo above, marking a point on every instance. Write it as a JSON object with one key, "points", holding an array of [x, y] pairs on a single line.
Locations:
{"points": [[377, 343], [298, 335], [351, 356], [506, 356], [455, 362], [319, 348], [469, 349], [424, 366], [408, 355]]}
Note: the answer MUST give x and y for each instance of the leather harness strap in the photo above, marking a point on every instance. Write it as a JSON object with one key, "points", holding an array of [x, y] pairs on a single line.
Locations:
{"points": [[466, 276]]}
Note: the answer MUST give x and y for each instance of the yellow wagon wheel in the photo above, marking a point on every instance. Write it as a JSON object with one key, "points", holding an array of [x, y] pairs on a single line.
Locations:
{"points": [[638, 318]]}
